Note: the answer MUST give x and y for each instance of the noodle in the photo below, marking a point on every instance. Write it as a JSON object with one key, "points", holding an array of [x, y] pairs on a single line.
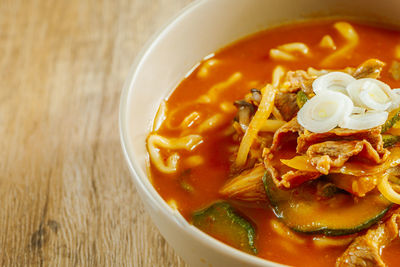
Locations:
{"points": [[212, 94], [194, 161], [397, 52], [283, 231], [284, 52], [211, 123], [254, 84], [277, 76], [348, 32], [295, 47], [205, 68], [262, 114], [171, 163], [189, 120], [227, 107], [327, 42], [160, 116], [288, 246], [323, 241], [189, 143], [172, 203], [387, 190], [281, 55], [172, 115], [230, 130], [314, 72]]}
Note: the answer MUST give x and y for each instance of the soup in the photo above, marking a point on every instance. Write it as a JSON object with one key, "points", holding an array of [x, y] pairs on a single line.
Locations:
{"points": [[224, 150]]}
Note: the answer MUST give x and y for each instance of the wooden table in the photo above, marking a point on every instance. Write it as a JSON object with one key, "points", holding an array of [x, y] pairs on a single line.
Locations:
{"points": [[66, 195]]}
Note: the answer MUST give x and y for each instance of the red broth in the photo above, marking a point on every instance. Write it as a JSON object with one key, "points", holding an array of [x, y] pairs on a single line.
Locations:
{"points": [[250, 56]]}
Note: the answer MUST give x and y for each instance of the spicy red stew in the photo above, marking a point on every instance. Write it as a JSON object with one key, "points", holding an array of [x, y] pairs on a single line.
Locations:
{"points": [[285, 145]]}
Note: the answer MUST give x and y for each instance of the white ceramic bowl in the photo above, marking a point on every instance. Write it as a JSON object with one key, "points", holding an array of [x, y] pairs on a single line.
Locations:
{"points": [[200, 29]]}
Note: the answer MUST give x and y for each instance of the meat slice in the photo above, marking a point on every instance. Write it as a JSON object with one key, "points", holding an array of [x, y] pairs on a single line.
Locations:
{"points": [[365, 250], [305, 139], [288, 132], [373, 136], [356, 185], [285, 177], [296, 80], [325, 151], [370, 68], [295, 178], [287, 105], [302, 80], [335, 153]]}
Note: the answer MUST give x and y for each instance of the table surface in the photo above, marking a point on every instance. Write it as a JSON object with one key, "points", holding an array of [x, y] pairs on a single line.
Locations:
{"points": [[66, 193]]}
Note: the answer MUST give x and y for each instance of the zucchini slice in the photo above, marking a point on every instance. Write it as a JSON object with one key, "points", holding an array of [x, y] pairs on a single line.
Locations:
{"points": [[301, 98], [389, 140], [223, 222], [302, 210], [394, 116]]}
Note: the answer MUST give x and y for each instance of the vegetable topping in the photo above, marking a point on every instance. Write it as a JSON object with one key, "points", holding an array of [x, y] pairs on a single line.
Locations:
{"points": [[362, 121], [222, 221], [324, 111], [305, 210], [371, 94], [334, 81], [344, 101]]}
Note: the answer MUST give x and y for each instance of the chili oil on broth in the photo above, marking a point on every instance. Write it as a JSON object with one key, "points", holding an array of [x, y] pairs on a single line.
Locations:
{"points": [[192, 187]]}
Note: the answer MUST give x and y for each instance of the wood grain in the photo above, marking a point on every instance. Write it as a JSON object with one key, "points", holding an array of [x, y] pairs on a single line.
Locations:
{"points": [[66, 194]]}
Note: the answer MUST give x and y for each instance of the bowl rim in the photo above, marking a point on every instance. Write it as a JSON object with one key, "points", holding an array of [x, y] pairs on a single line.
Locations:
{"points": [[143, 182]]}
